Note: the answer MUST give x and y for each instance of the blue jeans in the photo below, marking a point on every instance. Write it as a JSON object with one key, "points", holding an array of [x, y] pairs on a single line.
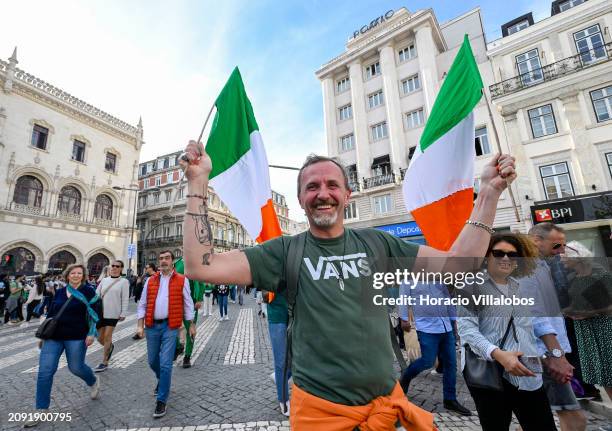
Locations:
{"points": [[278, 338], [161, 343], [233, 293], [222, 305], [432, 345], [47, 366]]}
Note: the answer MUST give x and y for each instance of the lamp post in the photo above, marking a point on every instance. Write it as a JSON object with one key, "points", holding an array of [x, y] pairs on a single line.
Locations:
{"points": [[133, 218]]}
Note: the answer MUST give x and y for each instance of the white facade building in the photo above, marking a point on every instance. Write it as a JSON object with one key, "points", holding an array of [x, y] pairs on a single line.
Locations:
{"points": [[59, 161], [377, 96], [553, 91]]}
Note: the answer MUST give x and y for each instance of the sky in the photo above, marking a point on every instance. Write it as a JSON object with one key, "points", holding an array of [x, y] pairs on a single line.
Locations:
{"points": [[166, 61]]}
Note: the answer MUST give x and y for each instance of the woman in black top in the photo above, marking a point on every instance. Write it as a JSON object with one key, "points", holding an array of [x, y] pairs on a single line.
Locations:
{"points": [[76, 331]]}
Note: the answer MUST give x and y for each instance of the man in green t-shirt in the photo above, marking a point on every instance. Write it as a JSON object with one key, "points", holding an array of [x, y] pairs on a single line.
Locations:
{"points": [[197, 293], [341, 347]]}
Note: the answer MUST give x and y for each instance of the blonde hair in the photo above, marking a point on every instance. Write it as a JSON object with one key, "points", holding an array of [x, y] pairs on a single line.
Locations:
{"points": [[69, 269]]}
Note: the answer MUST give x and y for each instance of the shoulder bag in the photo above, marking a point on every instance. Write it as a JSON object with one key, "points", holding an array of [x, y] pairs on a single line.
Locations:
{"points": [[47, 329]]}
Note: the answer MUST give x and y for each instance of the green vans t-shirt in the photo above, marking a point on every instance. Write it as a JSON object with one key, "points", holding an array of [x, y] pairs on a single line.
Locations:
{"points": [[341, 344]]}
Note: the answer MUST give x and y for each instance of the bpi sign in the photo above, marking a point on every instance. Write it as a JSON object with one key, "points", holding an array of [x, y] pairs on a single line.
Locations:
{"points": [[373, 23], [551, 214]]}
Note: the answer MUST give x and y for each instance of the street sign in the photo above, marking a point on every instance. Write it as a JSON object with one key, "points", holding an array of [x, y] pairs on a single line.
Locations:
{"points": [[131, 251]]}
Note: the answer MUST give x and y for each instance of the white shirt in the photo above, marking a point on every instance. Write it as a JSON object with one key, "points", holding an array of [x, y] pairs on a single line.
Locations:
{"points": [[161, 302]]}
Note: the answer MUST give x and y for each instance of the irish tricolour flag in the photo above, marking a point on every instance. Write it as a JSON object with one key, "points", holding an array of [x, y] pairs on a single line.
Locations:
{"points": [[240, 174], [438, 185]]}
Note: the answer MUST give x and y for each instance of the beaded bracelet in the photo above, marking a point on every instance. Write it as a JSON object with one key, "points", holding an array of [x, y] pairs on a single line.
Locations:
{"points": [[204, 198], [481, 225]]}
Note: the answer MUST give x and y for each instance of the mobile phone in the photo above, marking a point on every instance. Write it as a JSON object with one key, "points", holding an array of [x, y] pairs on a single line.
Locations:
{"points": [[532, 363]]}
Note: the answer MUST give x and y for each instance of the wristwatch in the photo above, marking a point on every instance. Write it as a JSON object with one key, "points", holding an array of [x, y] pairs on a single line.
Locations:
{"points": [[554, 353]]}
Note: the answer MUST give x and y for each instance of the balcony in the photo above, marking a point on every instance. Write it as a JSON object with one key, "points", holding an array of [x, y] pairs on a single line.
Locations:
{"points": [[559, 69], [26, 209], [378, 180], [354, 185]]}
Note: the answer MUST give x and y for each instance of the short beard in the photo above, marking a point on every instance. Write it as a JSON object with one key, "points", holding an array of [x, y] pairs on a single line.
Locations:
{"points": [[325, 220]]}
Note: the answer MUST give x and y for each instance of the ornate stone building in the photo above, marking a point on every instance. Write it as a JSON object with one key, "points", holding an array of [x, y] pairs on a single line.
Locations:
{"points": [[161, 206], [62, 163]]}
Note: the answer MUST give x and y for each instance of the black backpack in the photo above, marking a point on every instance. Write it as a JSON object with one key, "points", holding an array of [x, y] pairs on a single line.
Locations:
{"points": [[293, 263]]}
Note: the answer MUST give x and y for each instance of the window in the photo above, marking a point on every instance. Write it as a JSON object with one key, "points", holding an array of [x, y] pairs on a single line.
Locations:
{"points": [[78, 151], [529, 67], [382, 204], [481, 141], [347, 142], [103, 208], [179, 229], [178, 253], [602, 103], [351, 173], [181, 192], [111, 162], [518, 26], [407, 53], [375, 99], [590, 44], [150, 167], [350, 212], [542, 121], [556, 180], [69, 201], [381, 166], [569, 4], [166, 163], [39, 137], [609, 160], [156, 197], [343, 85], [379, 131], [142, 201], [345, 112], [172, 161], [411, 84], [158, 181], [165, 231], [414, 119], [168, 195], [373, 70], [169, 177], [143, 170], [28, 191]]}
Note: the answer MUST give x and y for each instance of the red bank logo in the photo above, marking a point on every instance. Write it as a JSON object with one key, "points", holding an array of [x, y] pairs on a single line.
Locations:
{"points": [[543, 215]]}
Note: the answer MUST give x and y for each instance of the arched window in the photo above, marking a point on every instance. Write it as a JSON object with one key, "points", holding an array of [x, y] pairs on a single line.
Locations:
{"points": [[104, 208], [21, 260], [28, 191], [96, 264], [60, 260], [178, 253], [69, 200]]}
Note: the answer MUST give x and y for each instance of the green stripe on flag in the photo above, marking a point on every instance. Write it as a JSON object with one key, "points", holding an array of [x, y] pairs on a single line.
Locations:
{"points": [[234, 122], [458, 96]]}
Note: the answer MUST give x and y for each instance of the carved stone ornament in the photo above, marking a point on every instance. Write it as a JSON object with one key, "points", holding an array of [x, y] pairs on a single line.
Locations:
{"points": [[77, 172], [93, 182], [36, 159], [110, 180], [57, 172]]}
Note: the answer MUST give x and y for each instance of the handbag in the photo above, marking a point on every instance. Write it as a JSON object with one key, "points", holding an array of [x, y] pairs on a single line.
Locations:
{"points": [[483, 374], [47, 329]]}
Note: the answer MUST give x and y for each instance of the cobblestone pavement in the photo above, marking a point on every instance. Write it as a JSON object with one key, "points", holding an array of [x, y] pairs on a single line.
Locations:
{"points": [[228, 387]]}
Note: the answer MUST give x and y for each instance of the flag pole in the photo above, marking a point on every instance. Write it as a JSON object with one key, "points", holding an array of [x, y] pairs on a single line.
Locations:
{"points": [[499, 150]]}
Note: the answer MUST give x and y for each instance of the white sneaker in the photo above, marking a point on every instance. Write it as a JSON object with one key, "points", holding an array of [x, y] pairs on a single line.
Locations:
{"points": [[33, 422], [24, 325], [220, 318], [95, 389], [286, 411], [226, 317]]}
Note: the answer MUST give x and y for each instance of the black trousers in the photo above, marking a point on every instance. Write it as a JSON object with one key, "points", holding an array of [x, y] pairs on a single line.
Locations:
{"points": [[495, 408]]}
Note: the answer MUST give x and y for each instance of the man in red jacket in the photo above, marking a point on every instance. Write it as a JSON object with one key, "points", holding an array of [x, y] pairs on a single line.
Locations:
{"points": [[164, 304]]}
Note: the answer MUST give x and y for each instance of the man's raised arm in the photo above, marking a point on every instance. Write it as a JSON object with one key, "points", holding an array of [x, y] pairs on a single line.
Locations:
{"points": [[201, 263], [473, 240]]}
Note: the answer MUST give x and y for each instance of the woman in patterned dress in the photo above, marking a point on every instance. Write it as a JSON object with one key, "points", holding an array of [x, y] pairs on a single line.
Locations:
{"points": [[590, 306]]}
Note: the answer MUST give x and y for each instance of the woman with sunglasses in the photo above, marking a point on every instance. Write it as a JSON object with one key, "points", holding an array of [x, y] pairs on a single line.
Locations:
{"points": [[505, 334]]}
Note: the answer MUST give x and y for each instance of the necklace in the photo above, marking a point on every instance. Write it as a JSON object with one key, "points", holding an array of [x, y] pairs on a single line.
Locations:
{"points": [[341, 259]]}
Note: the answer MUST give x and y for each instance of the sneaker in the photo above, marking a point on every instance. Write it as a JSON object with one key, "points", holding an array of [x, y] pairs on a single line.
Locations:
{"points": [[24, 325], [160, 409], [284, 408], [220, 318], [135, 337], [453, 405], [95, 389], [226, 317], [33, 422], [263, 315], [156, 389], [186, 362], [100, 368], [273, 377]]}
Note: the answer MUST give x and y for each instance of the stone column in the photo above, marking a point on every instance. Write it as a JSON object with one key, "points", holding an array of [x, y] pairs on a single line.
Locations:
{"points": [[397, 141], [329, 116], [360, 121], [428, 69]]}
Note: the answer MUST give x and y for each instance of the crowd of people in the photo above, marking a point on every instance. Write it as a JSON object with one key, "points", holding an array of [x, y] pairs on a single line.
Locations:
{"points": [[527, 360]]}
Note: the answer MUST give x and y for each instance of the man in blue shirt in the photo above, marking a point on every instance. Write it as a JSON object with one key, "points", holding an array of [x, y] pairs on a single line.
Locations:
{"points": [[434, 326]]}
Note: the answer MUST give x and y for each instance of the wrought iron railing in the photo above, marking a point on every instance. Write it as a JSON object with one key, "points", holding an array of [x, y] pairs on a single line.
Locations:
{"points": [[103, 222], [64, 215], [26, 209], [378, 180], [354, 185], [567, 66]]}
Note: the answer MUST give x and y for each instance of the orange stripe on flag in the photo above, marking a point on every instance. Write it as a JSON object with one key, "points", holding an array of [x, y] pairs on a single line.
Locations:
{"points": [[269, 226], [442, 221]]}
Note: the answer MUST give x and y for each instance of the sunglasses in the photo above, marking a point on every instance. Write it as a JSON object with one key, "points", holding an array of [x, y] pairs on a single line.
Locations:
{"points": [[116, 266], [500, 254], [557, 246]]}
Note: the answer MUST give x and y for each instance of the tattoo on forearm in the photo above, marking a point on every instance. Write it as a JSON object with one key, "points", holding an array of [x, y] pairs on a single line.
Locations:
{"points": [[206, 258], [203, 232]]}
